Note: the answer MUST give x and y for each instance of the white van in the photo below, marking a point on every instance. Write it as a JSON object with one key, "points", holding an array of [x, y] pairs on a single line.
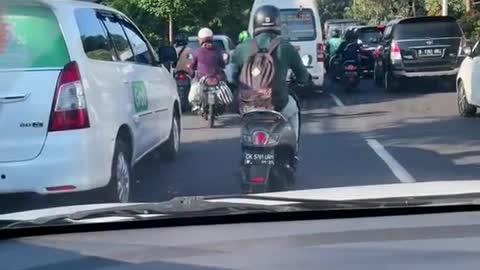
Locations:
{"points": [[301, 26], [83, 98]]}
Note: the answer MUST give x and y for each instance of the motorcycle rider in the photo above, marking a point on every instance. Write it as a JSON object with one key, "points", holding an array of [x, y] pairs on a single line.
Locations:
{"points": [[207, 60], [349, 50], [267, 27], [332, 45], [184, 53]]}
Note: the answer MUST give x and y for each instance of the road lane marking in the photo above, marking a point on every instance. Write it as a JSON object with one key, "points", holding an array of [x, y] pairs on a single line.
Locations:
{"points": [[337, 100], [398, 170]]}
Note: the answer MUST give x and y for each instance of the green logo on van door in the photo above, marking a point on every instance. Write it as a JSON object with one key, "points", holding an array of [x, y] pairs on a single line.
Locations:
{"points": [[140, 97]]}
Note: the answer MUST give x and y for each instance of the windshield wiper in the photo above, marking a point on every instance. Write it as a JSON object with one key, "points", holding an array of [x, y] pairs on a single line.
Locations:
{"points": [[220, 206]]}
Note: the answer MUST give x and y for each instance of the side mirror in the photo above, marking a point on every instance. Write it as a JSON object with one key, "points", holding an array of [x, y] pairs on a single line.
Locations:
{"points": [[307, 60], [167, 54], [226, 58]]}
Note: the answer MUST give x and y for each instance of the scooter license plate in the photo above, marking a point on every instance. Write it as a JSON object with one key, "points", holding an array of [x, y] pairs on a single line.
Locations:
{"points": [[211, 98], [259, 157]]}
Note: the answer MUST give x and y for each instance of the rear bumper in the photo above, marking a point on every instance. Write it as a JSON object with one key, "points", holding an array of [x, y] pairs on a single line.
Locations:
{"points": [[403, 73], [68, 159]]}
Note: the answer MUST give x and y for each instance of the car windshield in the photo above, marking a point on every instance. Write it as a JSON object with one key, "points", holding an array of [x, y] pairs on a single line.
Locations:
{"points": [[428, 30], [100, 109], [341, 27], [298, 25], [369, 35]]}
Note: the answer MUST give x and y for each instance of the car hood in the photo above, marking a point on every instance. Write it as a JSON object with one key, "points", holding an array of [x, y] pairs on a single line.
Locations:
{"points": [[356, 193]]}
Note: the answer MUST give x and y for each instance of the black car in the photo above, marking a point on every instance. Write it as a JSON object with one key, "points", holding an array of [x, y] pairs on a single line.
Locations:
{"points": [[419, 47], [368, 37]]}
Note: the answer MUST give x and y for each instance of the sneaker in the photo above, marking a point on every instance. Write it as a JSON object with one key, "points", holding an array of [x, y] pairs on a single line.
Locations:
{"points": [[195, 108]]}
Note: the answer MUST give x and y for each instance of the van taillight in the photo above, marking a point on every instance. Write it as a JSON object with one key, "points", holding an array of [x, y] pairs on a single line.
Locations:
{"points": [[396, 54], [69, 110], [320, 52]]}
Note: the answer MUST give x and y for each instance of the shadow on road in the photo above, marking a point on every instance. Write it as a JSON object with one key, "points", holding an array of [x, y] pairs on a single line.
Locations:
{"points": [[435, 149], [369, 93]]}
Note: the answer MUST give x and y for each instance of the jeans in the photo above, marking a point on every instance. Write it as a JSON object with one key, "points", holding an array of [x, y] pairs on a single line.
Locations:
{"points": [[291, 112]]}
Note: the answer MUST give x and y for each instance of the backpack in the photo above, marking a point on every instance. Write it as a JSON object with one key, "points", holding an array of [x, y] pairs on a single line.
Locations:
{"points": [[256, 78]]}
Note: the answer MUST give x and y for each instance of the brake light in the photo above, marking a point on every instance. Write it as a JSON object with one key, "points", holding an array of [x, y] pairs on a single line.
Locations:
{"points": [[396, 54], [351, 68], [320, 52], [182, 77], [381, 28], [211, 81], [69, 110], [260, 138], [258, 179]]}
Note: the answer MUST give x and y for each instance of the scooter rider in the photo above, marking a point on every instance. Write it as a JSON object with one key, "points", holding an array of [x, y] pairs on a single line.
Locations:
{"points": [[207, 60], [267, 27], [347, 51], [184, 53]]}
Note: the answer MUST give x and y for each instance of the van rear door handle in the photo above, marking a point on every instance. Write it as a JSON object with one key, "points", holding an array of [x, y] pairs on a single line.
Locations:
{"points": [[14, 98]]}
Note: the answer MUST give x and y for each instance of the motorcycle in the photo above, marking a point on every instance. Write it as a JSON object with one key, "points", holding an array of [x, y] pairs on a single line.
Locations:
{"points": [[211, 106], [269, 149], [350, 76], [184, 82]]}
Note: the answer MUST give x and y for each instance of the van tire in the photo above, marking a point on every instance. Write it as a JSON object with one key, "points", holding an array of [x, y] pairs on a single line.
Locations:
{"points": [[169, 150], [119, 188]]}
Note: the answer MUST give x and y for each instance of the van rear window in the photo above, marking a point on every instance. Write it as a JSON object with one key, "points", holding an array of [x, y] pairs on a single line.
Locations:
{"points": [[298, 25], [34, 39], [429, 29]]}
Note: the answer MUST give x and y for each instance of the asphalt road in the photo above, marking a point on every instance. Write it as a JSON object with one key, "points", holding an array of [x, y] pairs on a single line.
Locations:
{"points": [[366, 137]]}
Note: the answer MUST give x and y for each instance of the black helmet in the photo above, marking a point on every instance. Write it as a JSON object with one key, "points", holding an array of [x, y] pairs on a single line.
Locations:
{"points": [[181, 39], [267, 19], [336, 33], [350, 35]]}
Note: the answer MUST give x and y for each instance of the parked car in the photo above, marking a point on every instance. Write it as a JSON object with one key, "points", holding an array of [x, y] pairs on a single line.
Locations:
{"points": [[368, 38], [301, 26], [222, 42], [468, 83], [84, 97], [419, 47]]}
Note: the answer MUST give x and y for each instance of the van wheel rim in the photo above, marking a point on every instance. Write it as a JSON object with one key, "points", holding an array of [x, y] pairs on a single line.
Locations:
{"points": [[176, 135], [123, 179]]}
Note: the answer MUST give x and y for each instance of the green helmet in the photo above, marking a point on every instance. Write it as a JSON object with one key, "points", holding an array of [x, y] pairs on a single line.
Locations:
{"points": [[243, 36]]}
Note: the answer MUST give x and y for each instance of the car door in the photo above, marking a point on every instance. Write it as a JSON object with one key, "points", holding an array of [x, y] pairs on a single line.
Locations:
{"points": [[133, 88], [471, 75], [156, 81]]}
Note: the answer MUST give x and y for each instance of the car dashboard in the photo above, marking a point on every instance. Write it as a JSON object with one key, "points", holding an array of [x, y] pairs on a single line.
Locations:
{"points": [[434, 241]]}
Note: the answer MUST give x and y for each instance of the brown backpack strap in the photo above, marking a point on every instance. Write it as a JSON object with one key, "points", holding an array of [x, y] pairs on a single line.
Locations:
{"points": [[274, 44], [254, 47]]}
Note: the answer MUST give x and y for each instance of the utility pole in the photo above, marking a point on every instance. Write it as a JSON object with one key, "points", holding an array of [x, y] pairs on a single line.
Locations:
{"points": [[468, 5], [444, 7], [170, 28]]}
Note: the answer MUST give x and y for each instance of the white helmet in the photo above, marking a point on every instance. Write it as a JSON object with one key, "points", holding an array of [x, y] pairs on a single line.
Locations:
{"points": [[205, 34]]}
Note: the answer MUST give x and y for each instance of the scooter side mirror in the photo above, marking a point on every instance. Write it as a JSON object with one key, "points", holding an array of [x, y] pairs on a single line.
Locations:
{"points": [[226, 58]]}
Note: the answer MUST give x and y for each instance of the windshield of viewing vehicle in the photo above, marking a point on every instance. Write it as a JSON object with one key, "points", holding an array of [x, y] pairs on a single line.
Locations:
{"points": [[428, 30], [298, 25], [98, 111]]}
